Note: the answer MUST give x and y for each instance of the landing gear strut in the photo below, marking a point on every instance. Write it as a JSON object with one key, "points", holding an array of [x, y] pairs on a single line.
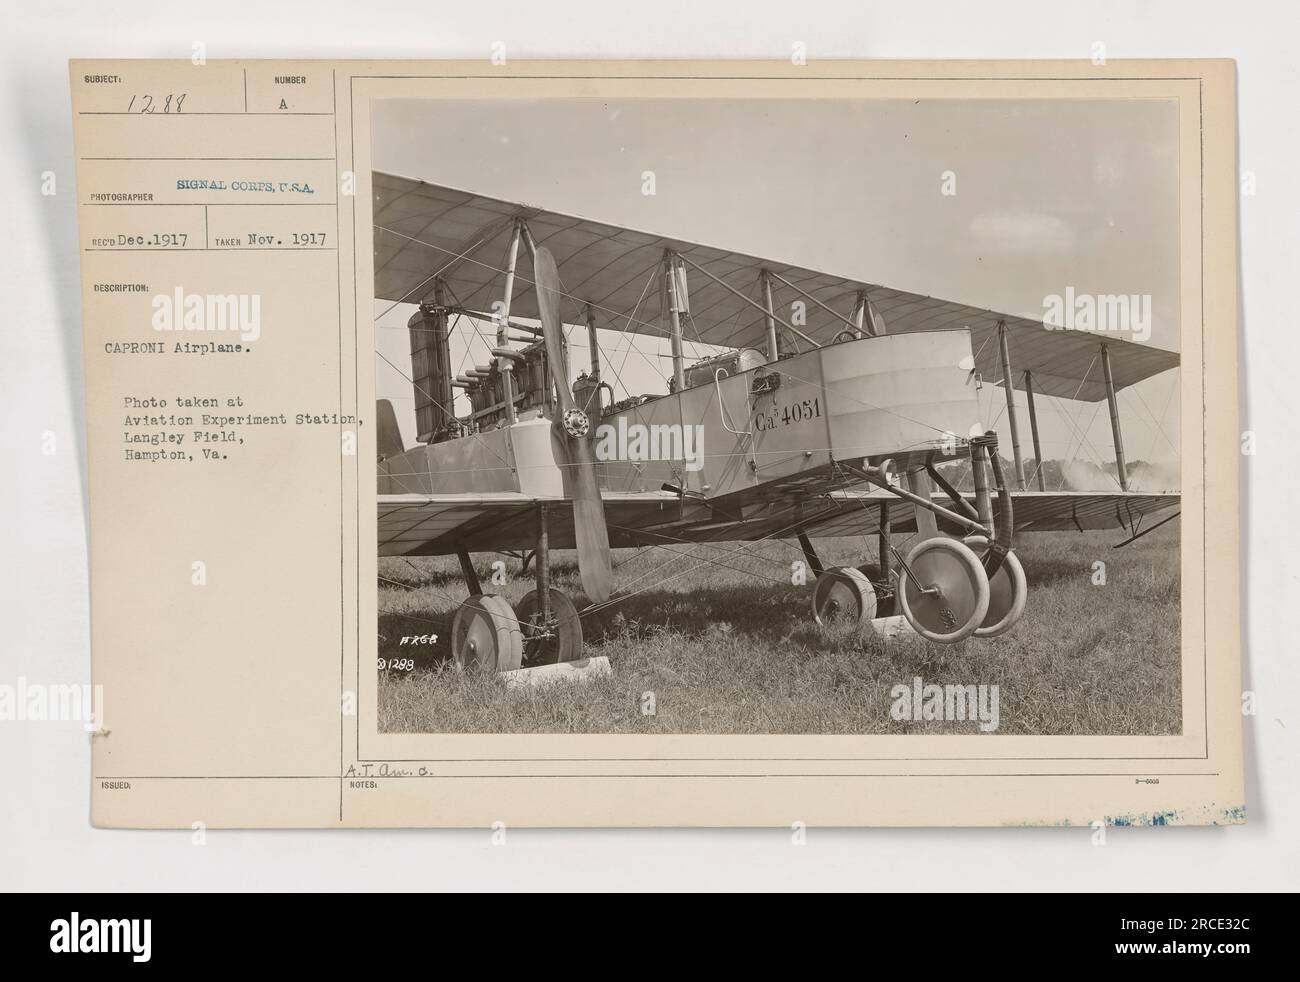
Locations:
{"points": [[542, 629], [551, 626], [557, 637], [947, 591], [945, 588]]}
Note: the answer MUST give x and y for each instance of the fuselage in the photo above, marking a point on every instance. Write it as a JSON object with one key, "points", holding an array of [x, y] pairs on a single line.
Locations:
{"points": [[896, 396]]}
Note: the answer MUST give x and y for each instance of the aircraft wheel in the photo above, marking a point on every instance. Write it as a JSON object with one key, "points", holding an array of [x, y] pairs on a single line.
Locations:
{"points": [[485, 635], [560, 639], [843, 595], [952, 599], [1008, 591]]}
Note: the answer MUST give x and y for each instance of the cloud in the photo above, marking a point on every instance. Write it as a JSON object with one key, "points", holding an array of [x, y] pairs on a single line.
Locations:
{"points": [[1021, 232]]}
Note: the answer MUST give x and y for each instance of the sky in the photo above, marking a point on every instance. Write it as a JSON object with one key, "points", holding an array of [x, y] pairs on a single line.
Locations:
{"points": [[1049, 195]]}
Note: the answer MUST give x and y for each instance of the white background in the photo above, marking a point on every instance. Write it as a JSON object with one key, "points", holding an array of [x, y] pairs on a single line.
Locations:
{"points": [[46, 841]]}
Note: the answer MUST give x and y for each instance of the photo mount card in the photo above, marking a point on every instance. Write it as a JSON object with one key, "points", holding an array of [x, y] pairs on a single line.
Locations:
{"points": [[847, 443]]}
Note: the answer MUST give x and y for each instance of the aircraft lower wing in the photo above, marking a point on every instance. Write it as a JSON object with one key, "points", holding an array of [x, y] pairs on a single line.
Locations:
{"points": [[442, 524], [854, 512], [433, 525], [1041, 511]]}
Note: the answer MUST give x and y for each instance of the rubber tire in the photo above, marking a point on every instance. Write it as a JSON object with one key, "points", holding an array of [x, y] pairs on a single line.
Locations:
{"points": [[568, 623], [1008, 592], [495, 626], [965, 563], [855, 582]]}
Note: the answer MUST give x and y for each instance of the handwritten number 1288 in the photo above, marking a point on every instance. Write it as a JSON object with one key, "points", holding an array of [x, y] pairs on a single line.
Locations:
{"points": [[146, 104]]}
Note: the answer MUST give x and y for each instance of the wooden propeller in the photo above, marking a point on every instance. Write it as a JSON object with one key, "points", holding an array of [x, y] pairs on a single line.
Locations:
{"points": [[588, 509]]}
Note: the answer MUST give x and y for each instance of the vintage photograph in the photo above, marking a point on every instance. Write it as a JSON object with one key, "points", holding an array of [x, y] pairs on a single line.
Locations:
{"points": [[777, 416], [816, 448]]}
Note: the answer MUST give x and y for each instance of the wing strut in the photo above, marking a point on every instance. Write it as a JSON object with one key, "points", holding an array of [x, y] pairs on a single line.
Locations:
{"points": [[757, 306], [1134, 538], [1009, 385], [769, 318], [854, 326], [1033, 431], [675, 308], [506, 365], [1113, 405]]}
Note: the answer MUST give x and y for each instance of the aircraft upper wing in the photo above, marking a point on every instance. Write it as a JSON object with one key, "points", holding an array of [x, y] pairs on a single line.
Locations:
{"points": [[423, 230]]}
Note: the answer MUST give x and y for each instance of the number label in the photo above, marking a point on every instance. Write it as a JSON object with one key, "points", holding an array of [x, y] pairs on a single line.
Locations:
{"points": [[788, 415]]}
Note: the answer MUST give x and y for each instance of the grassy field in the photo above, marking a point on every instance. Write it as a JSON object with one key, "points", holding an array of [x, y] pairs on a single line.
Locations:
{"points": [[728, 645]]}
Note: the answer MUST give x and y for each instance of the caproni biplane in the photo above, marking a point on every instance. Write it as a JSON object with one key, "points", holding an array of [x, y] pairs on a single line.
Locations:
{"points": [[836, 425]]}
